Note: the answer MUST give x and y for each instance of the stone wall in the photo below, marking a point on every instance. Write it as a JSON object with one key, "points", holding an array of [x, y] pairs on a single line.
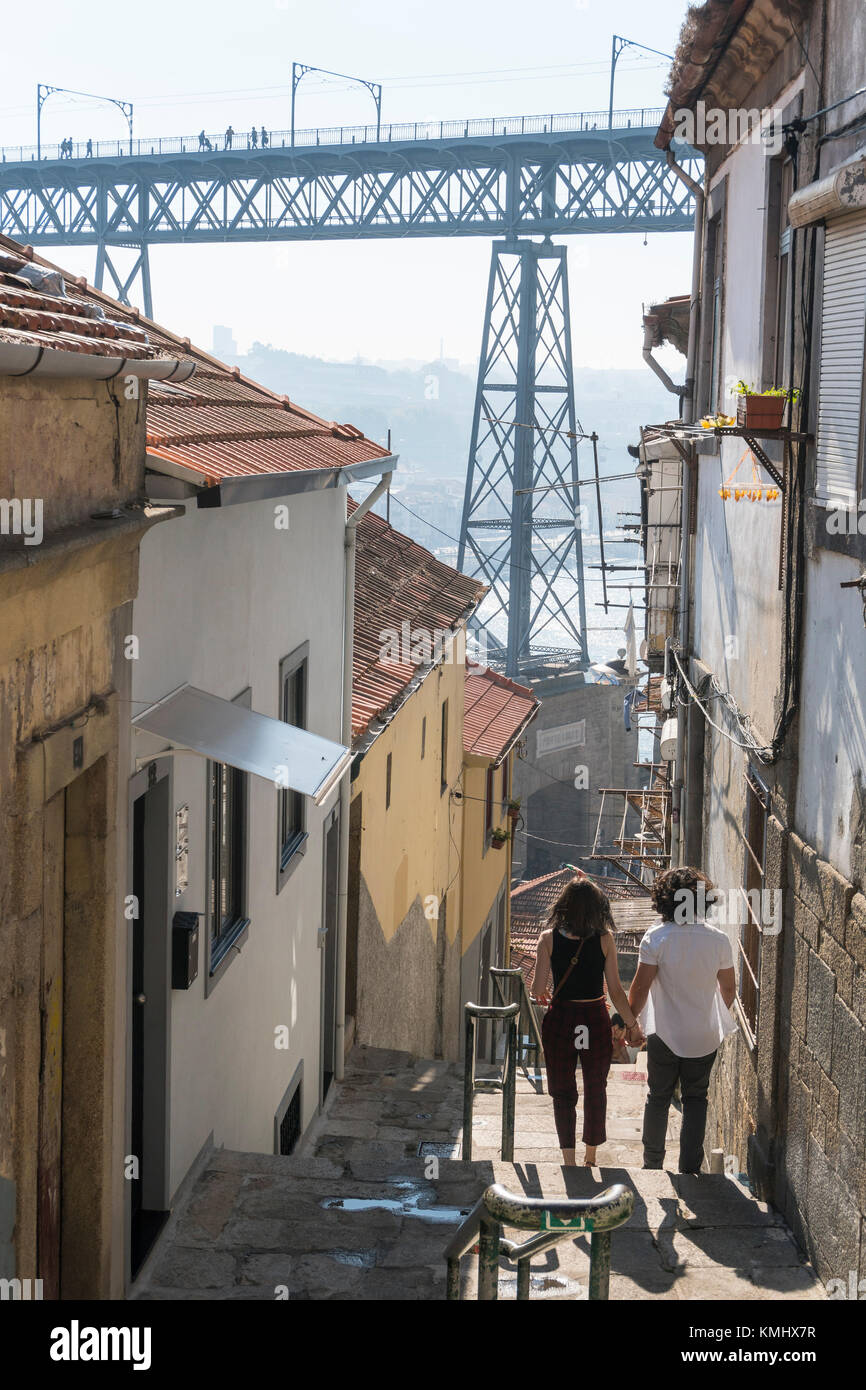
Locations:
{"points": [[793, 1110]]}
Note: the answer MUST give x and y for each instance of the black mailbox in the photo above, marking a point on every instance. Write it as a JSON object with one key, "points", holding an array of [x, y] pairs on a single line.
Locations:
{"points": [[184, 949]]}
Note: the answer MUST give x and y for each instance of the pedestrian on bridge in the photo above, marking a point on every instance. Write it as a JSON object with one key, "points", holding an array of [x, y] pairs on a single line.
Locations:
{"points": [[202, 140], [254, 139], [265, 140], [578, 947], [684, 987], [89, 150], [230, 135]]}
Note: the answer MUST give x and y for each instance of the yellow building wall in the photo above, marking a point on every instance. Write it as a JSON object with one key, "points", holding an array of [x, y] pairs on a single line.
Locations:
{"points": [[409, 860], [485, 869]]}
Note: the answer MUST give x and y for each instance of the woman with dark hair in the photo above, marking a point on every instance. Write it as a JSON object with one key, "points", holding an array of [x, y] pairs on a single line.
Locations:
{"points": [[579, 949]]}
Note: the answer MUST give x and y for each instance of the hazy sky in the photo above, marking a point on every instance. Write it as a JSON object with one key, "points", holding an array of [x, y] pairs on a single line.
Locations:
{"points": [[187, 64]]}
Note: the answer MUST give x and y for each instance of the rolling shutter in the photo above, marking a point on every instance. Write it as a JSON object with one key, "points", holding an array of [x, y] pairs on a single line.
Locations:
{"points": [[839, 439]]}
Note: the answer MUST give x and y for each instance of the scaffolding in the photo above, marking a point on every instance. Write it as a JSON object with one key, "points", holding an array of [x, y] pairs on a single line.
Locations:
{"points": [[642, 852]]}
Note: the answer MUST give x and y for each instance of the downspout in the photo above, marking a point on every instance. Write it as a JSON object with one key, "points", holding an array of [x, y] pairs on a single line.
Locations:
{"points": [[345, 785], [687, 415], [655, 366]]}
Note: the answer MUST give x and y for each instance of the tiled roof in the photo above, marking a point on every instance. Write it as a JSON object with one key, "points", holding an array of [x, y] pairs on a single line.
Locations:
{"points": [[40, 307], [397, 581], [219, 424], [532, 900], [495, 712]]}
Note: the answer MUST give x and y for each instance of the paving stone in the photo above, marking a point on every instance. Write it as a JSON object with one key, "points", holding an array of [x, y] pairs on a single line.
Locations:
{"points": [[305, 1272], [735, 1249], [194, 1269], [254, 1224], [718, 1283]]}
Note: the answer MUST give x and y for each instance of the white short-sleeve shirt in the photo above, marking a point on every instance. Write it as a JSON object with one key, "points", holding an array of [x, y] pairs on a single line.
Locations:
{"points": [[684, 1006]]}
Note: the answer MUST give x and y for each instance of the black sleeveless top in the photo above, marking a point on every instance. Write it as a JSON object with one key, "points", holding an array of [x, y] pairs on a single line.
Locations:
{"points": [[586, 980]]}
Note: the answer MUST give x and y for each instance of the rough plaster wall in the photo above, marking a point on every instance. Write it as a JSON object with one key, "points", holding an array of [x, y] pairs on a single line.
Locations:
{"points": [[397, 980], [78, 445]]}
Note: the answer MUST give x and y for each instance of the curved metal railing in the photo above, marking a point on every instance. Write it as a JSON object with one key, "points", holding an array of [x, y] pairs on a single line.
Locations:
{"points": [[528, 1033], [506, 1082], [553, 1220]]}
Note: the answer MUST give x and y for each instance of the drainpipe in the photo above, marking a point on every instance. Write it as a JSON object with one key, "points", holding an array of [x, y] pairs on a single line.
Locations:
{"points": [[687, 415], [345, 784], [667, 383]]}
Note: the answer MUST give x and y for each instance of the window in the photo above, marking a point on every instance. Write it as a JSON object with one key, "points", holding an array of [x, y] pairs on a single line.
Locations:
{"points": [[754, 836], [227, 887], [777, 280], [291, 805], [504, 797], [839, 442], [388, 781], [443, 749], [488, 801], [423, 736], [712, 339], [716, 310]]}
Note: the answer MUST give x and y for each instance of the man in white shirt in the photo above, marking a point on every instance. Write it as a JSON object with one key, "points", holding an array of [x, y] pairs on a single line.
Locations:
{"points": [[684, 987]]}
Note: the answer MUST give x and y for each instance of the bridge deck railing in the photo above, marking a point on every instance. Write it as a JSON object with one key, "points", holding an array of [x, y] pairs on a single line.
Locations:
{"points": [[487, 127]]}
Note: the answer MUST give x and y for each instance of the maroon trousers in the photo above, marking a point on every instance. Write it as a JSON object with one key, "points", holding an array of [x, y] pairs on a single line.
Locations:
{"points": [[563, 1045]]}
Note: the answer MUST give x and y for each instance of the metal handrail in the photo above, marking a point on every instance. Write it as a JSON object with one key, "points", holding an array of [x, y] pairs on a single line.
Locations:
{"points": [[527, 1015], [554, 1220], [484, 127], [506, 1083]]}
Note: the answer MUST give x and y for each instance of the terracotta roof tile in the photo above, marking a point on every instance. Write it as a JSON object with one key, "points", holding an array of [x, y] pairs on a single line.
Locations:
{"points": [[397, 581], [495, 712], [221, 425], [532, 900], [39, 307]]}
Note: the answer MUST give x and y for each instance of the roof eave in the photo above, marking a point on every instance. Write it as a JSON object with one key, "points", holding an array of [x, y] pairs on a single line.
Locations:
{"points": [[256, 487]]}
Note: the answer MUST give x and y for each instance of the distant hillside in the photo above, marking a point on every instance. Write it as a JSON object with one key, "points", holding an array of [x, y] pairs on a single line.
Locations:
{"points": [[429, 413]]}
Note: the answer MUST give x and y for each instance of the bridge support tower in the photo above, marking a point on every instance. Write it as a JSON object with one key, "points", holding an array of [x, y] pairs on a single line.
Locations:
{"points": [[520, 530]]}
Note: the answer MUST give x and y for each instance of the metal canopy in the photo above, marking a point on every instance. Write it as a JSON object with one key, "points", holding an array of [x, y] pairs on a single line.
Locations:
{"points": [[228, 733]]}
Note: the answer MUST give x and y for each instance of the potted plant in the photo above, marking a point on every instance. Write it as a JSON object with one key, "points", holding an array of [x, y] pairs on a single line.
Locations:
{"points": [[762, 410], [513, 809], [499, 838]]}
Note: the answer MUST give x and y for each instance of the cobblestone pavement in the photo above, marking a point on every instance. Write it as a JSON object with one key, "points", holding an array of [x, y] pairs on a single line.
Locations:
{"points": [[359, 1216]]}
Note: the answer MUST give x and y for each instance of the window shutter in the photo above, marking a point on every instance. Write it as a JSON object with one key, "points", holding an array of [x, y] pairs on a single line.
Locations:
{"points": [[842, 351]]}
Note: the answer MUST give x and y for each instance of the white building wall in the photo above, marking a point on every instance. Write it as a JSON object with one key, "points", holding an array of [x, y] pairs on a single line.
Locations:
{"points": [[832, 735], [738, 604], [223, 596]]}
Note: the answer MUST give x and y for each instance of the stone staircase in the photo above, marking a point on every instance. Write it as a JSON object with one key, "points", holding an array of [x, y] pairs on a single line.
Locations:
{"points": [[367, 1209]]}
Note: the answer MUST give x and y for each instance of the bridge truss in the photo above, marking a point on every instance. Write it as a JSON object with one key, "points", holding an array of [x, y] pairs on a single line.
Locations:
{"points": [[523, 178]]}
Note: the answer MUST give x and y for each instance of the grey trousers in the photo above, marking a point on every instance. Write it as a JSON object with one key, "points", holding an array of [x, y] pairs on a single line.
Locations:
{"points": [[664, 1069]]}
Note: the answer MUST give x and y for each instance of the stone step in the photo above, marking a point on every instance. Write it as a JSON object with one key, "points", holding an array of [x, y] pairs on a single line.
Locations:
{"points": [[361, 1215], [370, 1228]]}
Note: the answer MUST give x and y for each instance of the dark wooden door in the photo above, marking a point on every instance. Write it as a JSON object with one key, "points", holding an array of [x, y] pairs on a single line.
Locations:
{"points": [[149, 1019], [51, 1048], [329, 953]]}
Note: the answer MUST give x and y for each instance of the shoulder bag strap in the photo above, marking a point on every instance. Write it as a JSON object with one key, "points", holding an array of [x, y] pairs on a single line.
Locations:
{"points": [[573, 962]]}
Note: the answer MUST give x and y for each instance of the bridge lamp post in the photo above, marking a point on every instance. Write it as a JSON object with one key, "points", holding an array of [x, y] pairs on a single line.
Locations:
{"points": [[617, 44], [300, 70], [43, 92]]}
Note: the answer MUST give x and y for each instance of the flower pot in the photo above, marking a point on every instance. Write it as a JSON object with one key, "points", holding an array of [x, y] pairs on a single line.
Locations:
{"points": [[498, 844], [761, 412]]}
